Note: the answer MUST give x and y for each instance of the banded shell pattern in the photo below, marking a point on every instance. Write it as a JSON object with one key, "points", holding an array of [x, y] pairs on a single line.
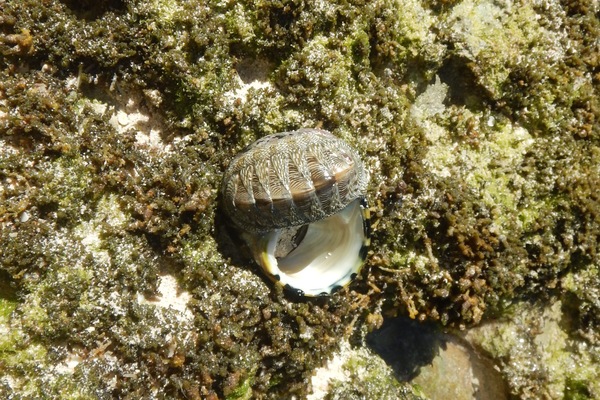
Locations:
{"points": [[298, 199]]}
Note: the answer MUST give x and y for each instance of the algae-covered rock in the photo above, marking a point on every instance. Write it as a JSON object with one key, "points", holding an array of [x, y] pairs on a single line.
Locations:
{"points": [[119, 278], [538, 353]]}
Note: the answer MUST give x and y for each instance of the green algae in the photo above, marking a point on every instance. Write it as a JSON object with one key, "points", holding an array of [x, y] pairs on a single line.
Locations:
{"points": [[243, 391], [482, 141]]}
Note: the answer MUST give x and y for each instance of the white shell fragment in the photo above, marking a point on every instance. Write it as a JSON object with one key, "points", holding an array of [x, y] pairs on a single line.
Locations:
{"points": [[298, 200]]}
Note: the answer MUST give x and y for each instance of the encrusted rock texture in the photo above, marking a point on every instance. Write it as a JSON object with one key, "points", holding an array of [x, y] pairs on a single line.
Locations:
{"points": [[479, 122]]}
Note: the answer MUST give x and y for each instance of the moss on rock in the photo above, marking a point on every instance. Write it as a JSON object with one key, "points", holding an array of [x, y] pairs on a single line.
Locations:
{"points": [[479, 125]]}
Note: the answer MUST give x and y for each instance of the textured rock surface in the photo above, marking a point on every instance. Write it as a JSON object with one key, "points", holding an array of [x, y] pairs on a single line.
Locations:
{"points": [[479, 122]]}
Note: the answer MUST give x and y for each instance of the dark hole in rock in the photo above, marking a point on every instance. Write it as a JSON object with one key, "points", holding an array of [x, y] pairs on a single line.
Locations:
{"points": [[443, 365], [91, 10], [405, 345], [464, 88]]}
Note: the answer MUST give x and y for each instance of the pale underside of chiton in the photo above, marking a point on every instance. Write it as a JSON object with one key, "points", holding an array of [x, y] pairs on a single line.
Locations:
{"points": [[329, 256], [292, 178]]}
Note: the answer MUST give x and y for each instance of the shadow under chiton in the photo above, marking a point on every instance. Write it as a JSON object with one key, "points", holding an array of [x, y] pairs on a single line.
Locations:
{"points": [[298, 201]]}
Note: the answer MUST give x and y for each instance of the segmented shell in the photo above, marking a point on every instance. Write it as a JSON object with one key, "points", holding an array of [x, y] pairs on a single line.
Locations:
{"points": [[292, 178]]}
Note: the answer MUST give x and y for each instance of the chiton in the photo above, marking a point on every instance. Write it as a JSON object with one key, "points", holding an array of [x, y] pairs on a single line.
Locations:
{"points": [[298, 200]]}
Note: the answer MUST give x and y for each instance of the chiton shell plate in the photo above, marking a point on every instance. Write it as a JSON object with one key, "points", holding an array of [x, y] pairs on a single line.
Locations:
{"points": [[292, 178]]}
